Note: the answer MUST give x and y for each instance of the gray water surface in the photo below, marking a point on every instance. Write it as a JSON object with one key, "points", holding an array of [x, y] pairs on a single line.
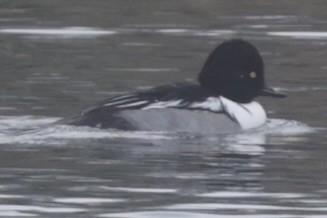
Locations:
{"points": [[59, 57]]}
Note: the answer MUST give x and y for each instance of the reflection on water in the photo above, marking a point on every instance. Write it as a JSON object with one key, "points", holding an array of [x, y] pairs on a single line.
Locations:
{"points": [[59, 57], [178, 173]]}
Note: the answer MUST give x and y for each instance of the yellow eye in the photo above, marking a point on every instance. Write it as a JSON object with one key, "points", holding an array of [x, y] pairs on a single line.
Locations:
{"points": [[253, 74]]}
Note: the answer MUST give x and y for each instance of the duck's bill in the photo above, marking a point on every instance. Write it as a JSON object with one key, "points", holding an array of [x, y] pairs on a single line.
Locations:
{"points": [[267, 91]]}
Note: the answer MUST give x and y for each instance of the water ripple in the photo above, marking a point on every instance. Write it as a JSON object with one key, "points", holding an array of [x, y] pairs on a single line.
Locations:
{"points": [[40, 209], [87, 200], [180, 214], [64, 32], [300, 34]]}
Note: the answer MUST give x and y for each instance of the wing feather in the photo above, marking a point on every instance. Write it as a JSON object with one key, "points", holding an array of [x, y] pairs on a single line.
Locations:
{"points": [[170, 96]]}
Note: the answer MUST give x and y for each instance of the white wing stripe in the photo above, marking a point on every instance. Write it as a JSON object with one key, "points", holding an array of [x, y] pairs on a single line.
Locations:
{"points": [[123, 97], [112, 103], [163, 104], [132, 104]]}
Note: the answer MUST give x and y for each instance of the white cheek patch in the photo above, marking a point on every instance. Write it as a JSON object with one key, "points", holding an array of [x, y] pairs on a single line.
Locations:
{"points": [[248, 116]]}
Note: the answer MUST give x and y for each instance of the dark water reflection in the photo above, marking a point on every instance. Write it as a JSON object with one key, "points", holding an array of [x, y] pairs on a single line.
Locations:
{"points": [[58, 57]]}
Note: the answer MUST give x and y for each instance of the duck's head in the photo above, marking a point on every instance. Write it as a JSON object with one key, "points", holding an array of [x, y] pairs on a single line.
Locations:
{"points": [[235, 70]]}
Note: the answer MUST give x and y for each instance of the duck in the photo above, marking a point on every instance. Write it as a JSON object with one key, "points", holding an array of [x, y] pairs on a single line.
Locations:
{"points": [[222, 100]]}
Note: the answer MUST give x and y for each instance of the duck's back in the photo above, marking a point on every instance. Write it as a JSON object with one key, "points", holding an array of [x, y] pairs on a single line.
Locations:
{"points": [[111, 112], [176, 108]]}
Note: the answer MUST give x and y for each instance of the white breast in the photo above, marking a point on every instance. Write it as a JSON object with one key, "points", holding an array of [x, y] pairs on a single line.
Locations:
{"points": [[248, 116]]}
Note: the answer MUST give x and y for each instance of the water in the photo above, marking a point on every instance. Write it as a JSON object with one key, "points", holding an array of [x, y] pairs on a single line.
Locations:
{"points": [[60, 57]]}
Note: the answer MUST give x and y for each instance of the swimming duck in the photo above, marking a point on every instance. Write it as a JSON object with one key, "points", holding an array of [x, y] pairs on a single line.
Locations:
{"points": [[221, 102]]}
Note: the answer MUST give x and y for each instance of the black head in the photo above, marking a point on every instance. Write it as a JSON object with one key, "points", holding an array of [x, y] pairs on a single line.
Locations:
{"points": [[235, 70]]}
